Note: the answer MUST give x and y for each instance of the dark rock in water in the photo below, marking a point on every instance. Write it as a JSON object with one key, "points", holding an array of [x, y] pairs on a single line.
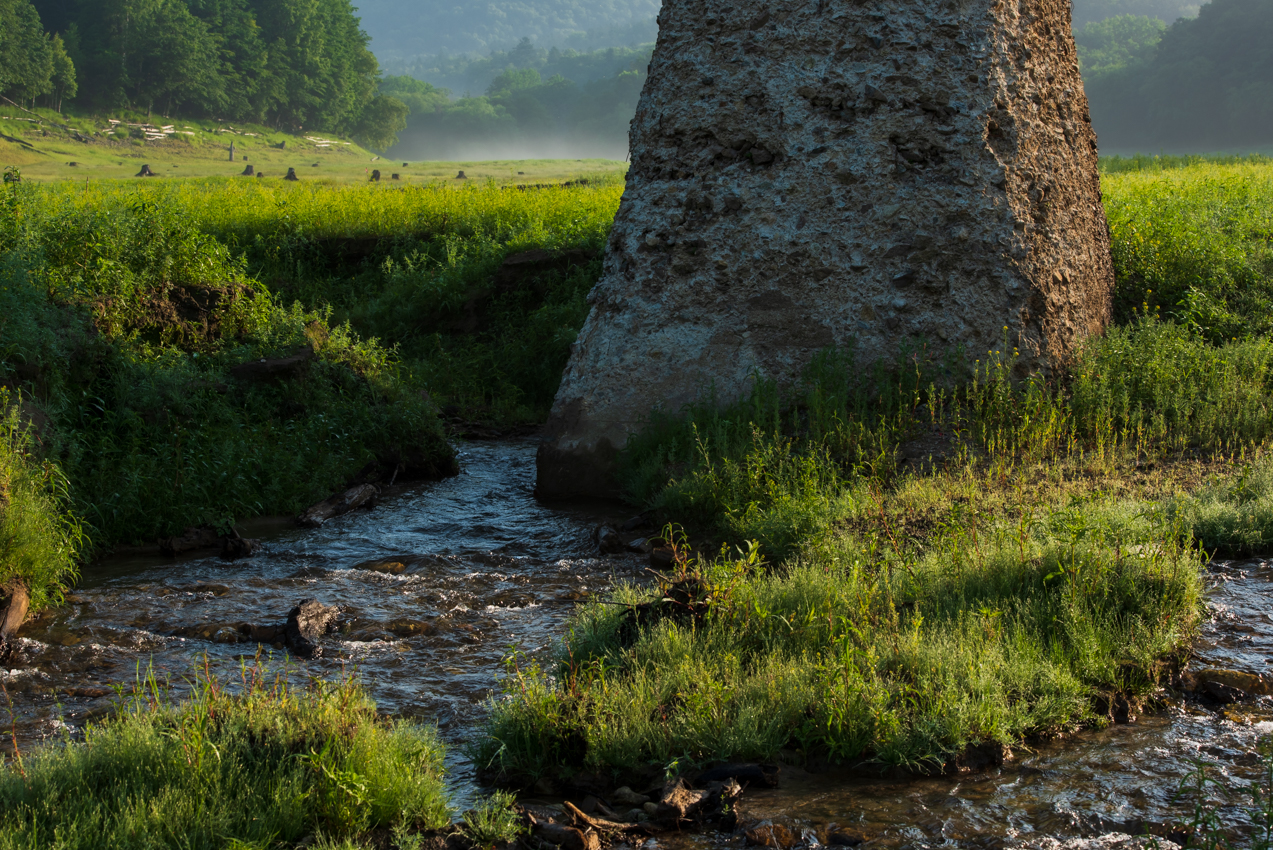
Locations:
{"points": [[291, 175], [146, 172], [638, 521], [662, 556], [306, 623], [625, 796], [979, 757], [274, 368], [566, 837], [1116, 707], [14, 603], [642, 546], [841, 836], [752, 775], [361, 496], [234, 547], [679, 802], [1226, 686], [608, 540], [204, 537], [769, 834], [261, 634]]}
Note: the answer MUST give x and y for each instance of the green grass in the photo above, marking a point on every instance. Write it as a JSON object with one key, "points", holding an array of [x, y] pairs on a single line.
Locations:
{"points": [[149, 422], [850, 654], [40, 539], [245, 763], [1193, 244], [951, 557]]}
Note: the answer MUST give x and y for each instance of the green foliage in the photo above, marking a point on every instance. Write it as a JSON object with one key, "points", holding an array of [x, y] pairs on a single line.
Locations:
{"points": [[458, 32], [1092, 11], [291, 64], [248, 763], [1117, 43], [859, 653], [126, 323], [27, 55], [40, 538], [1233, 518], [493, 820], [1207, 86], [1193, 244]]}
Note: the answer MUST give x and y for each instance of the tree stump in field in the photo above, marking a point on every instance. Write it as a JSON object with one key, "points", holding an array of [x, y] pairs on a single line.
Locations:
{"points": [[375, 176], [250, 171], [291, 175], [145, 172], [395, 176], [260, 174], [871, 176]]}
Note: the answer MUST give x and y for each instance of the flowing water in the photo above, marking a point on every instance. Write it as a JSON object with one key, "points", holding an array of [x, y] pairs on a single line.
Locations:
{"points": [[441, 580]]}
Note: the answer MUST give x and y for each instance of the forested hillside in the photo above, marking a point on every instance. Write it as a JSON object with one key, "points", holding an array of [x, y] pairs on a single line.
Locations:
{"points": [[403, 29], [1201, 84], [288, 64]]}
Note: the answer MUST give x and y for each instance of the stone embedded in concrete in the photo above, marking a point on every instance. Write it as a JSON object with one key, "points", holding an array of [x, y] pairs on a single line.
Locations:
{"points": [[816, 173]]}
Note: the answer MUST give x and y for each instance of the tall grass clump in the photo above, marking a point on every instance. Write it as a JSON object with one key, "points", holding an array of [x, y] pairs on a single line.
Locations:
{"points": [[40, 538], [1193, 244], [246, 763], [856, 655], [128, 327]]}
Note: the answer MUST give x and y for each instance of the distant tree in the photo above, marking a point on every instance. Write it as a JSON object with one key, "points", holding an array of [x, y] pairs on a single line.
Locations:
{"points": [[382, 119], [1117, 43], [1092, 11], [418, 96], [26, 57], [63, 78], [1207, 86]]}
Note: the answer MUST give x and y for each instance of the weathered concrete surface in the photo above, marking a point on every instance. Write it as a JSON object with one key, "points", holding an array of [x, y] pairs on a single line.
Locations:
{"points": [[811, 172]]}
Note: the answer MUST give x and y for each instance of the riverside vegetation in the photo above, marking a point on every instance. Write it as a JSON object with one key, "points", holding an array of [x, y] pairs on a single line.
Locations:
{"points": [[923, 565]]}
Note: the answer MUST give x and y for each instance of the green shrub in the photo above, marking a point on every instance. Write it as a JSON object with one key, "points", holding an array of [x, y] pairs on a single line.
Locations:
{"points": [[40, 538], [852, 654], [250, 763]]}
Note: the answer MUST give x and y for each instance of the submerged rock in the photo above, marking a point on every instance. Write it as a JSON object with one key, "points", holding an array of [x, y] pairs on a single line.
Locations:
{"points": [[15, 601], [818, 175], [355, 497], [306, 624]]}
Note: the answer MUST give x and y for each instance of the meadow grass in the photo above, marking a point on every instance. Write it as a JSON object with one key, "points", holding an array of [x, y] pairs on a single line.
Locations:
{"points": [[1192, 244], [248, 762]]}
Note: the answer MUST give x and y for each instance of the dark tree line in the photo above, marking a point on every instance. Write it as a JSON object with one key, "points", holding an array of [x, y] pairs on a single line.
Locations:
{"points": [[290, 64], [34, 66], [1206, 84]]}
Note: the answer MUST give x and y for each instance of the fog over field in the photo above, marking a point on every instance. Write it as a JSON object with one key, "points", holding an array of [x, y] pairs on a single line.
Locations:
{"points": [[555, 78]]}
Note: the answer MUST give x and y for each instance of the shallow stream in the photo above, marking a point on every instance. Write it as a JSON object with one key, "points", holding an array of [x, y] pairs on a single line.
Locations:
{"points": [[442, 579]]}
